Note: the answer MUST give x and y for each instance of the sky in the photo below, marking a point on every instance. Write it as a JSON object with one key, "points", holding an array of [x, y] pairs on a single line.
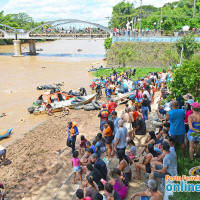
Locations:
{"points": [[88, 10]]}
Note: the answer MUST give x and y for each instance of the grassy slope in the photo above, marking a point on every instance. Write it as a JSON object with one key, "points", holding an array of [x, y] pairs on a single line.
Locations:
{"points": [[184, 165], [140, 72]]}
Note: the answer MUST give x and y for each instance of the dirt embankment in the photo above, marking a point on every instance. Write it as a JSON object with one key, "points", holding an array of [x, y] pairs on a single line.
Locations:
{"points": [[32, 158]]}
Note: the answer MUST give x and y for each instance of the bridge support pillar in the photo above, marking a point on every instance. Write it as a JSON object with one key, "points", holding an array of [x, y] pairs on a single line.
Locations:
{"points": [[32, 47], [17, 48]]}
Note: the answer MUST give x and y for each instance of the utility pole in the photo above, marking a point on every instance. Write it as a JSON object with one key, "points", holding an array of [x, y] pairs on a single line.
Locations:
{"points": [[140, 15], [194, 8]]}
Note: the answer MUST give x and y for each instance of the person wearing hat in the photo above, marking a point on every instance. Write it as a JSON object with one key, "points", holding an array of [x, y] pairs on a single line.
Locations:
{"points": [[194, 127], [152, 192], [72, 133], [169, 166], [103, 116], [188, 96]]}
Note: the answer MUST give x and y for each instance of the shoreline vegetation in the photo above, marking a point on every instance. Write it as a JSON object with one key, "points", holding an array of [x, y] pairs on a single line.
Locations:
{"points": [[140, 72]]}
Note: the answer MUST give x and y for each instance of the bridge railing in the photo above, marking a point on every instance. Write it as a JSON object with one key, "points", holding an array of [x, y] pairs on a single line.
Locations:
{"points": [[153, 33]]}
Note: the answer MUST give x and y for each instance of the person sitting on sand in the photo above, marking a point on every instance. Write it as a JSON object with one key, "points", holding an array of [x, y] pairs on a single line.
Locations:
{"points": [[91, 147], [80, 195], [65, 111], [76, 164], [3, 154], [152, 192], [132, 153], [85, 158], [145, 166], [110, 194], [90, 187]]}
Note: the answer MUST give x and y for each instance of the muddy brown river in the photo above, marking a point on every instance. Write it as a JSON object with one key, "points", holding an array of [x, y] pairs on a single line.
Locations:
{"points": [[58, 62]]}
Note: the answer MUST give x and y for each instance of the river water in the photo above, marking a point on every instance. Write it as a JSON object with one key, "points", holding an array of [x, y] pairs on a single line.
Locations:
{"points": [[58, 62]]}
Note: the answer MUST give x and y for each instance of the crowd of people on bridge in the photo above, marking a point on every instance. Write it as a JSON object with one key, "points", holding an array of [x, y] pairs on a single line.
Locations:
{"points": [[157, 155], [135, 32]]}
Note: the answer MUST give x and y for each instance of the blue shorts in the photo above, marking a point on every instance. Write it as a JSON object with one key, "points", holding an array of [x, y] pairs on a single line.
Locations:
{"points": [[108, 98], [101, 125], [2, 152], [191, 138], [77, 169]]}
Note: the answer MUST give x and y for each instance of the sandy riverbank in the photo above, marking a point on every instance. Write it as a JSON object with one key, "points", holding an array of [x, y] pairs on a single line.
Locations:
{"points": [[33, 155]]}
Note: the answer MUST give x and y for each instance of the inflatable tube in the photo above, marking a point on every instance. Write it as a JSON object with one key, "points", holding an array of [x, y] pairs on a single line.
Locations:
{"points": [[31, 109], [78, 107], [96, 104], [89, 104], [76, 94], [88, 108], [80, 99], [74, 102]]}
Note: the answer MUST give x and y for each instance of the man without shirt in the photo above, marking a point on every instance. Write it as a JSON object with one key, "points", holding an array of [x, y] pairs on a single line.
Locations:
{"points": [[152, 192]]}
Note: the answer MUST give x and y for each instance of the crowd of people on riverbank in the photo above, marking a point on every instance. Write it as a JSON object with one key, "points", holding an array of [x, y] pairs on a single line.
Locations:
{"points": [[157, 156], [178, 121]]}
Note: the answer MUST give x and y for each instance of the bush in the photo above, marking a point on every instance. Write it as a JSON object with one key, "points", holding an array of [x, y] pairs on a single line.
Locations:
{"points": [[107, 43], [186, 79]]}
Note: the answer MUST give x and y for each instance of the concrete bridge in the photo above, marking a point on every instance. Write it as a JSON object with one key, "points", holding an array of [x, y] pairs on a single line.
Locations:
{"points": [[53, 30]]}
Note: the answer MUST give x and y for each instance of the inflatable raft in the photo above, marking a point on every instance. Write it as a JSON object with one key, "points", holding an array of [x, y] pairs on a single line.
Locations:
{"points": [[5, 134]]}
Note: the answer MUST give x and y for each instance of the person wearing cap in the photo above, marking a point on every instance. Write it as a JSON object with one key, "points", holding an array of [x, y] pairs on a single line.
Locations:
{"points": [[3, 154], [152, 192], [115, 119], [177, 125], [169, 166], [194, 127], [111, 106], [103, 116], [72, 133], [82, 91]]}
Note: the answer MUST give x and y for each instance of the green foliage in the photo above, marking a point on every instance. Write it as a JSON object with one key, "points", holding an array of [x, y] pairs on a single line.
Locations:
{"points": [[190, 45], [17, 21], [140, 72], [184, 165], [142, 54], [108, 43], [186, 79], [174, 15], [120, 10]]}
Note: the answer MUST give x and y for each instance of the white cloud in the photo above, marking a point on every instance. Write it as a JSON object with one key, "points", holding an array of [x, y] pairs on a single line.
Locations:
{"points": [[89, 10]]}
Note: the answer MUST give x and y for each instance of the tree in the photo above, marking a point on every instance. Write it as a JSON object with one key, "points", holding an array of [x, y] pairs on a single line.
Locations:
{"points": [[186, 79], [190, 45], [108, 43], [121, 13]]}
